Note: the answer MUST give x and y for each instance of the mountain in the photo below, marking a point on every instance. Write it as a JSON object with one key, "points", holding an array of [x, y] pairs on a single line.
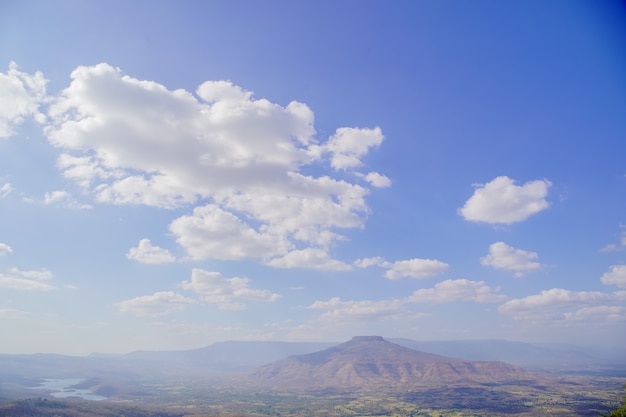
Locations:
{"points": [[373, 362]]}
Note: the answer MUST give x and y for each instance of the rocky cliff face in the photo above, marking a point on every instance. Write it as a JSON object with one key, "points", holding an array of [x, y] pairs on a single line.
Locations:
{"points": [[372, 362]]}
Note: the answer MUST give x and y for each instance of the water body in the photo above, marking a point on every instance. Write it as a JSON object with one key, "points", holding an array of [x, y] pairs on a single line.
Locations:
{"points": [[63, 388]]}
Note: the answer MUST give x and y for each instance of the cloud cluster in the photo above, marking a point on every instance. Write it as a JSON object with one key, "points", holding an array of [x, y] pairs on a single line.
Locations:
{"points": [[237, 158], [225, 292], [210, 287], [503, 256], [615, 276], [500, 201], [22, 94]]}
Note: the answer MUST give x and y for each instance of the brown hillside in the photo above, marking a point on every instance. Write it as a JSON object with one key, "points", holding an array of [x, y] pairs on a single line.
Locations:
{"points": [[372, 362]]}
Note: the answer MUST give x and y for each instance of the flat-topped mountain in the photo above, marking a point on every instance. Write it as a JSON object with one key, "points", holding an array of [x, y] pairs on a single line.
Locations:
{"points": [[370, 362]]}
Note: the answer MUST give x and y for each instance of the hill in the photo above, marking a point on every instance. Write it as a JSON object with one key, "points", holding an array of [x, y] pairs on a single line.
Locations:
{"points": [[372, 362]]}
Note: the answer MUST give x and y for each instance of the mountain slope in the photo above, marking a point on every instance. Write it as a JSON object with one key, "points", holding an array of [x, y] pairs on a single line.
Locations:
{"points": [[370, 362]]}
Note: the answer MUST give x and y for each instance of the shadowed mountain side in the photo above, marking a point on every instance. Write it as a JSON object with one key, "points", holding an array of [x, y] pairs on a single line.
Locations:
{"points": [[370, 362]]}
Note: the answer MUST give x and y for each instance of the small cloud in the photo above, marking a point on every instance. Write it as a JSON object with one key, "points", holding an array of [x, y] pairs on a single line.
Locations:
{"points": [[502, 202], [225, 292], [11, 313], [614, 247], [378, 180], [457, 290], [40, 275], [5, 249], [416, 268], [309, 258], [148, 254], [365, 310], [63, 199], [368, 262], [5, 190], [26, 280], [503, 256], [348, 145], [155, 305], [615, 276]]}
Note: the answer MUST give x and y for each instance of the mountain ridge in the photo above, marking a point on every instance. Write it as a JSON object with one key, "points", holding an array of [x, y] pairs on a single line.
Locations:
{"points": [[371, 362]]}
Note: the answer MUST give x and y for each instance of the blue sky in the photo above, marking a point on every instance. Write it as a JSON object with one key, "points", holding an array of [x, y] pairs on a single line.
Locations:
{"points": [[175, 174]]}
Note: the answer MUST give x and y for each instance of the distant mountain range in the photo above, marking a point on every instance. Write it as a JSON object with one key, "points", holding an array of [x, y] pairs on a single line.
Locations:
{"points": [[371, 362], [236, 357]]}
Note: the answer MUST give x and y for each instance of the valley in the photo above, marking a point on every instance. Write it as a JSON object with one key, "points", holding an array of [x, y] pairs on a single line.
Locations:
{"points": [[366, 376]]}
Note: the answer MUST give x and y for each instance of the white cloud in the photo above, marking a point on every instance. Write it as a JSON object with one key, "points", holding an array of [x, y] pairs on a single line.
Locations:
{"points": [[378, 180], [22, 95], [502, 202], [503, 256], [5, 190], [367, 262], [155, 305], [41, 275], [348, 145], [415, 268], [129, 141], [148, 254], [225, 292], [596, 314], [616, 275], [336, 309], [63, 199], [217, 234], [612, 247], [5, 249], [11, 313], [309, 258], [26, 280], [457, 290], [555, 303]]}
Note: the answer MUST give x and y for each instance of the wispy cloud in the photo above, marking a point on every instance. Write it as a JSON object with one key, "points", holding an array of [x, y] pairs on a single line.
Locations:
{"points": [[155, 305]]}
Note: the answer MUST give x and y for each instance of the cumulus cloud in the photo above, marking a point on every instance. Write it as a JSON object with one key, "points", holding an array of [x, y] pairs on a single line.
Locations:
{"points": [[309, 258], [555, 303], [457, 290], [348, 145], [211, 232], [5, 249], [415, 268], [155, 305], [503, 256], [616, 275], [502, 202], [367, 262], [5, 190], [225, 292], [22, 94], [148, 254], [130, 141], [29, 280]]}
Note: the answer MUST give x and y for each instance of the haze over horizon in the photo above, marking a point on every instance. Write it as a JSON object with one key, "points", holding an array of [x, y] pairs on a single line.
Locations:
{"points": [[178, 174]]}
